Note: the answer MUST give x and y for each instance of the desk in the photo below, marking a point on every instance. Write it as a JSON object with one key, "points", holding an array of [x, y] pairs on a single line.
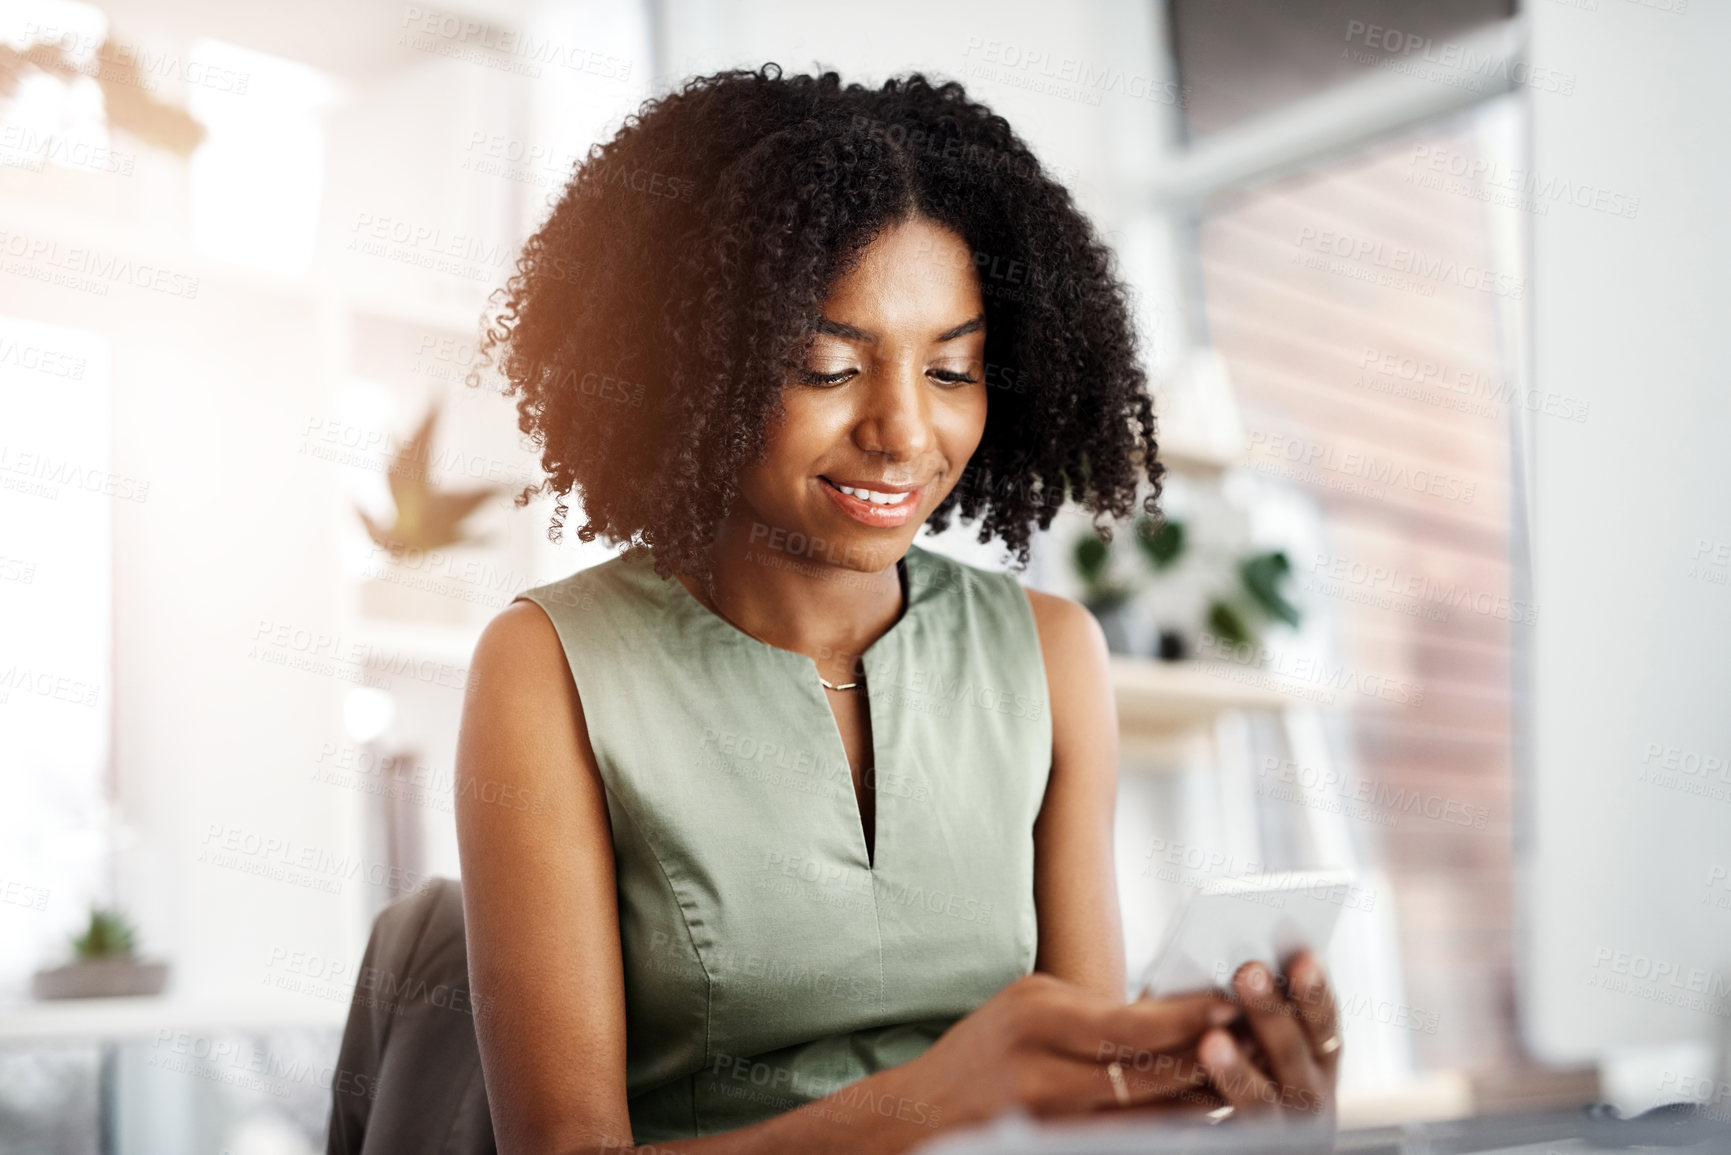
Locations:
{"points": [[78, 1020], [110, 1023], [1554, 1133]]}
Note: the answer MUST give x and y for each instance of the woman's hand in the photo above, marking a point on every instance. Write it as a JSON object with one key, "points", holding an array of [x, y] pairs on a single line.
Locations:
{"points": [[1046, 1047], [1289, 1071]]}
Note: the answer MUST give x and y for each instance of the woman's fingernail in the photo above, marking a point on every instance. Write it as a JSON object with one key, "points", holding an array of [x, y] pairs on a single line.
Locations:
{"points": [[1257, 979], [1220, 1015], [1217, 1052]]}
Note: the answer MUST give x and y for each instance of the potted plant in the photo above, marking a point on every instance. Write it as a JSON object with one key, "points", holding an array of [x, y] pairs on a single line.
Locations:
{"points": [[105, 964], [1103, 594], [1162, 544], [1252, 601], [1239, 616]]}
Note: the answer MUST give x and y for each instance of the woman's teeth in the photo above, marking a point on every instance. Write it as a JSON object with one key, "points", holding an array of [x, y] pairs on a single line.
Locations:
{"points": [[874, 496]]}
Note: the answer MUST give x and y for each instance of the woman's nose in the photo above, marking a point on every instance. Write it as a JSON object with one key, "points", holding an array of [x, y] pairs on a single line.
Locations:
{"points": [[896, 417]]}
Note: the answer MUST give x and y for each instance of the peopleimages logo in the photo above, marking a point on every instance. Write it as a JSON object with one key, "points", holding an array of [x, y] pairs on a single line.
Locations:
{"points": [[1366, 467], [1468, 384], [1542, 188], [427, 247], [37, 359], [1456, 56], [40, 474], [1293, 673], [459, 37], [23, 147], [1040, 70], [1330, 573], [1381, 796], [88, 269], [134, 66], [1670, 982], [1412, 262]]}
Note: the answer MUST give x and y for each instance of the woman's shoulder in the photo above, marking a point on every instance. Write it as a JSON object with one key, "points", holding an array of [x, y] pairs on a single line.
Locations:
{"points": [[519, 655], [551, 635], [1060, 615], [587, 587], [1070, 636], [606, 614], [535, 629], [940, 575], [1069, 633]]}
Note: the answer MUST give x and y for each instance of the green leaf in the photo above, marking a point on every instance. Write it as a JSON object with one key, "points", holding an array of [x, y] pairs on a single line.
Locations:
{"points": [[1162, 544], [1226, 624], [1091, 556], [1262, 575]]}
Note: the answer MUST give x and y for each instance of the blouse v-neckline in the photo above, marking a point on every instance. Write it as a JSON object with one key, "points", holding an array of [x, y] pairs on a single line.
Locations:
{"points": [[903, 569], [877, 719]]}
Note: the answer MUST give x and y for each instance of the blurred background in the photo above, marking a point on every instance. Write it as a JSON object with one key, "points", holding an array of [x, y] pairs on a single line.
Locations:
{"points": [[1428, 290]]}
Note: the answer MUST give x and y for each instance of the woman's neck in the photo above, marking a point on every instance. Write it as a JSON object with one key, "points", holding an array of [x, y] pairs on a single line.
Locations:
{"points": [[827, 604]]}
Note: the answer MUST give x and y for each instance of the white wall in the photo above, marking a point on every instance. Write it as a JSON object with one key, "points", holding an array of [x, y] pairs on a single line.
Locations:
{"points": [[58, 493], [1632, 516]]}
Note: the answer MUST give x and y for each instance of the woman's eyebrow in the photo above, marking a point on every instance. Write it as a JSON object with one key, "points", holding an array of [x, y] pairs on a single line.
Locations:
{"points": [[836, 329], [823, 324], [963, 329]]}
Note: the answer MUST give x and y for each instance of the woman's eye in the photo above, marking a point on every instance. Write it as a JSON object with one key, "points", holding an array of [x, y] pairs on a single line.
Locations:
{"points": [[954, 378], [812, 377]]}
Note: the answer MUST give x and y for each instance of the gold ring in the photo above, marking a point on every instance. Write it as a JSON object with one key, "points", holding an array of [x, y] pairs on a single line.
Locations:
{"points": [[1116, 1073], [1329, 1045]]}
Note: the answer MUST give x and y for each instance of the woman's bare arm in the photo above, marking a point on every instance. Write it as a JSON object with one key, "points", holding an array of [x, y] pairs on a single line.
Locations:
{"points": [[540, 907], [538, 896], [1075, 881]]}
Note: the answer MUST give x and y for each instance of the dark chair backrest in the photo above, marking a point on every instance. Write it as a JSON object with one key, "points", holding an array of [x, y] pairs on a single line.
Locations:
{"points": [[408, 1075]]}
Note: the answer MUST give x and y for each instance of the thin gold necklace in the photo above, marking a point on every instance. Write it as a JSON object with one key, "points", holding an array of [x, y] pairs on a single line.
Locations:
{"points": [[827, 684]]}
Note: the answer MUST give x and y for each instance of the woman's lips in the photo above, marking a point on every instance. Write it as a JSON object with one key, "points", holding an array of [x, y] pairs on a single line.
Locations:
{"points": [[869, 513]]}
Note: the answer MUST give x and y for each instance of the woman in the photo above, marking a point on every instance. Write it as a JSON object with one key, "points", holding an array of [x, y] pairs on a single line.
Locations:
{"points": [[820, 850]]}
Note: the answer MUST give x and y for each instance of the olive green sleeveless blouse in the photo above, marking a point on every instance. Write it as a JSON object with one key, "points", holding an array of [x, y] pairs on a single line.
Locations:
{"points": [[767, 960]]}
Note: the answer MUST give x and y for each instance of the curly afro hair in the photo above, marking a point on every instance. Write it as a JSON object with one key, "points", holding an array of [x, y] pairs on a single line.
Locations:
{"points": [[653, 320]]}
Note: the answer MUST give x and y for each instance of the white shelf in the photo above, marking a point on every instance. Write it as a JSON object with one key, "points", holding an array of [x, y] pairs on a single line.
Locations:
{"points": [[1167, 710], [1168, 696], [68, 1020], [1195, 459]]}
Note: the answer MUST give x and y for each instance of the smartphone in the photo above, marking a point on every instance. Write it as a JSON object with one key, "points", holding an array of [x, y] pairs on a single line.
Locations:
{"points": [[1229, 922]]}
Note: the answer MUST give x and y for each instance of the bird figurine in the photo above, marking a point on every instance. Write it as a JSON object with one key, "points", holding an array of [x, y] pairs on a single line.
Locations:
{"points": [[427, 518]]}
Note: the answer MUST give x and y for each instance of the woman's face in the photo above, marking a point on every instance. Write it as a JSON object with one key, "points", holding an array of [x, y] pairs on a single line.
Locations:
{"points": [[890, 404]]}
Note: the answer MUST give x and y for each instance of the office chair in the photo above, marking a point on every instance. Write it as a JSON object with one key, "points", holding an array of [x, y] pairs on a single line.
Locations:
{"points": [[408, 1076]]}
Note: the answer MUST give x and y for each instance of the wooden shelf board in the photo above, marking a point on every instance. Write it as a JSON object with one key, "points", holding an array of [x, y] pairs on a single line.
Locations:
{"points": [[1196, 459], [1165, 696]]}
